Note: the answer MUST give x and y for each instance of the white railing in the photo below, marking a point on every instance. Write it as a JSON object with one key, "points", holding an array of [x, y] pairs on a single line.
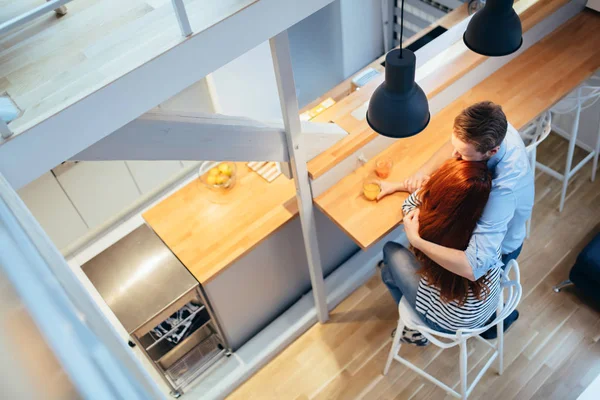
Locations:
{"points": [[58, 6], [98, 363]]}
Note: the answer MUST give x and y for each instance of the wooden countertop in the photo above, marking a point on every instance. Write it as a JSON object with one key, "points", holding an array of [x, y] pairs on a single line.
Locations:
{"points": [[207, 231], [525, 87], [458, 60]]}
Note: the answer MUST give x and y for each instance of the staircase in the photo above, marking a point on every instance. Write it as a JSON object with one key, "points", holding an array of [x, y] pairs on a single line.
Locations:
{"points": [[419, 14]]}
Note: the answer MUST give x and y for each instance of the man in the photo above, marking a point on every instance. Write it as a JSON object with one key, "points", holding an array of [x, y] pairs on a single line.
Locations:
{"points": [[481, 132]]}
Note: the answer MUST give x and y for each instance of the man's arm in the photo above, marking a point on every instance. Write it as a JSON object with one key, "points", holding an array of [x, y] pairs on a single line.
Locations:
{"points": [[451, 259], [418, 179], [483, 250], [443, 154]]}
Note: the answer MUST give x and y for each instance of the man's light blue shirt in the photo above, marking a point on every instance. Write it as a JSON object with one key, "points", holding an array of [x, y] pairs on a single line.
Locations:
{"points": [[501, 229]]}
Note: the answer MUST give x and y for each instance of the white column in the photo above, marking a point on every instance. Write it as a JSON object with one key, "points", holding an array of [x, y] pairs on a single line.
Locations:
{"points": [[282, 61], [5, 131], [182, 17]]}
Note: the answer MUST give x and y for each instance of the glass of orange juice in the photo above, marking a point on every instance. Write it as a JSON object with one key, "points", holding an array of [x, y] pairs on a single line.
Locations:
{"points": [[371, 190], [383, 166]]}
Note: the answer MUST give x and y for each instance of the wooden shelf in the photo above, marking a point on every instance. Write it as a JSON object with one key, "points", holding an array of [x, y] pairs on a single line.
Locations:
{"points": [[208, 231], [525, 87]]}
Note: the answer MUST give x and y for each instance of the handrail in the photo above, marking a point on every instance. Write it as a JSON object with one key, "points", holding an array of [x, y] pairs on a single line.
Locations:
{"points": [[51, 5], [58, 6], [87, 346]]}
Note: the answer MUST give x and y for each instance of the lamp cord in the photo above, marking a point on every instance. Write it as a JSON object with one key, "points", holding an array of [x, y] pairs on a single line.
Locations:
{"points": [[401, 27]]}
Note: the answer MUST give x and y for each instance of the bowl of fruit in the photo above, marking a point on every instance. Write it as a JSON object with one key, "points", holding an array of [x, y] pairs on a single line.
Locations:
{"points": [[221, 177]]}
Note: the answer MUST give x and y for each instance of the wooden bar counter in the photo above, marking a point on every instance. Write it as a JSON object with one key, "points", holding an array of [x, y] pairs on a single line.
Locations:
{"points": [[457, 60], [525, 87]]}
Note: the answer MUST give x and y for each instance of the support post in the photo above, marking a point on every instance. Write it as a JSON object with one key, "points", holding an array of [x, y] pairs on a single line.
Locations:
{"points": [[182, 17], [282, 62], [5, 131], [385, 23]]}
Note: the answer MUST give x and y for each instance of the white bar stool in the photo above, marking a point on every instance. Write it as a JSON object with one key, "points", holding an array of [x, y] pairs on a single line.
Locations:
{"points": [[532, 135], [584, 97], [410, 319]]}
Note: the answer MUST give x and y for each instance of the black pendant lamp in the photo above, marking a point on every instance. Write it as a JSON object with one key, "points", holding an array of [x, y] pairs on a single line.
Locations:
{"points": [[398, 108], [495, 30]]}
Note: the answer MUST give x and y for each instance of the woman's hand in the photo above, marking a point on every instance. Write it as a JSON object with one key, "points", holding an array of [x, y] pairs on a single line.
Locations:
{"points": [[415, 181], [411, 227], [388, 188]]}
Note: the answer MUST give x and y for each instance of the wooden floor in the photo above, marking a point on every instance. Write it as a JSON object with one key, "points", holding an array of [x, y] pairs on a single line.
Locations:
{"points": [[50, 63], [552, 352]]}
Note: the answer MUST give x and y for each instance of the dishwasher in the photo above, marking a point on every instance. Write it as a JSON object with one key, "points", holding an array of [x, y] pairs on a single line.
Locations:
{"points": [[161, 305]]}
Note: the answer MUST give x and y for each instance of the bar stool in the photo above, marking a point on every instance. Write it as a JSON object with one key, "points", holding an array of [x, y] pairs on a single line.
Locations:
{"points": [[532, 135], [582, 98], [410, 319]]}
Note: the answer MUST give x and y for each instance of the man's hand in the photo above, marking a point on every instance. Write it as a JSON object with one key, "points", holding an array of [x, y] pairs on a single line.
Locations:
{"points": [[411, 227], [415, 181], [388, 188]]}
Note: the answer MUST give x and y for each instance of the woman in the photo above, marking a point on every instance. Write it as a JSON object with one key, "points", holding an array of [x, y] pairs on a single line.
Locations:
{"points": [[450, 205]]}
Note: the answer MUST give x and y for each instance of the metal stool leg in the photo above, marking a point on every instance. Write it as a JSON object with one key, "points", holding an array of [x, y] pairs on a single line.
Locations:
{"points": [[569, 162], [597, 150], [561, 285]]}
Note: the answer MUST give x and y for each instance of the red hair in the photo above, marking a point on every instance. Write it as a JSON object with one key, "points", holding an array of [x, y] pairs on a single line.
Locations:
{"points": [[452, 202]]}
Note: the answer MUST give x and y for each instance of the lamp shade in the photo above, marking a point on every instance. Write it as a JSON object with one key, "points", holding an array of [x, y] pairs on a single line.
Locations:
{"points": [[495, 30], [398, 108]]}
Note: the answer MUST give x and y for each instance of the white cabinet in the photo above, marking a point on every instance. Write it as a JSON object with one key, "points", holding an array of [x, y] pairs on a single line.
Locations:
{"points": [[188, 163], [99, 189], [150, 175], [195, 98], [51, 207]]}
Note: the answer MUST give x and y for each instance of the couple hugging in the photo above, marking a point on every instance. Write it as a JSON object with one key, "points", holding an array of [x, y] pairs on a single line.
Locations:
{"points": [[465, 220]]}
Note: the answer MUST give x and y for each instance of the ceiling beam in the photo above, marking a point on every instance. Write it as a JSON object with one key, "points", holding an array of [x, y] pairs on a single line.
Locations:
{"points": [[195, 136]]}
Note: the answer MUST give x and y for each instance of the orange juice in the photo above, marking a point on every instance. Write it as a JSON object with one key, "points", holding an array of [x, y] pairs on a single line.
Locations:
{"points": [[371, 191], [383, 168]]}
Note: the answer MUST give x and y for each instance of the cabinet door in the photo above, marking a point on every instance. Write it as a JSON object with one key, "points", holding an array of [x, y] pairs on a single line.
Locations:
{"points": [[99, 189], [51, 207], [150, 175], [189, 163]]}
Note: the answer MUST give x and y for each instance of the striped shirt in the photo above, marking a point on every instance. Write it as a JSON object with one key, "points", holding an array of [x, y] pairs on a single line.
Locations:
{"points": [[452, 316]]}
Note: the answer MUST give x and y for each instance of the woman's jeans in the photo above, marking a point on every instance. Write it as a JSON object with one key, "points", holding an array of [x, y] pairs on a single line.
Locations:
{"points": [[399, 273]]}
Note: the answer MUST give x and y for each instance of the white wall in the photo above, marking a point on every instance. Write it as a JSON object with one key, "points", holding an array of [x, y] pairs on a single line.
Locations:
{"points": [[327, 47], [53, 209], [246, 87], [317, 58], [362, 33], [333, 44]]}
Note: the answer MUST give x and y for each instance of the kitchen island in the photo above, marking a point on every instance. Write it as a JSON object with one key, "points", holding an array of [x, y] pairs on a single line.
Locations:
{"points": [[245, 247]]}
